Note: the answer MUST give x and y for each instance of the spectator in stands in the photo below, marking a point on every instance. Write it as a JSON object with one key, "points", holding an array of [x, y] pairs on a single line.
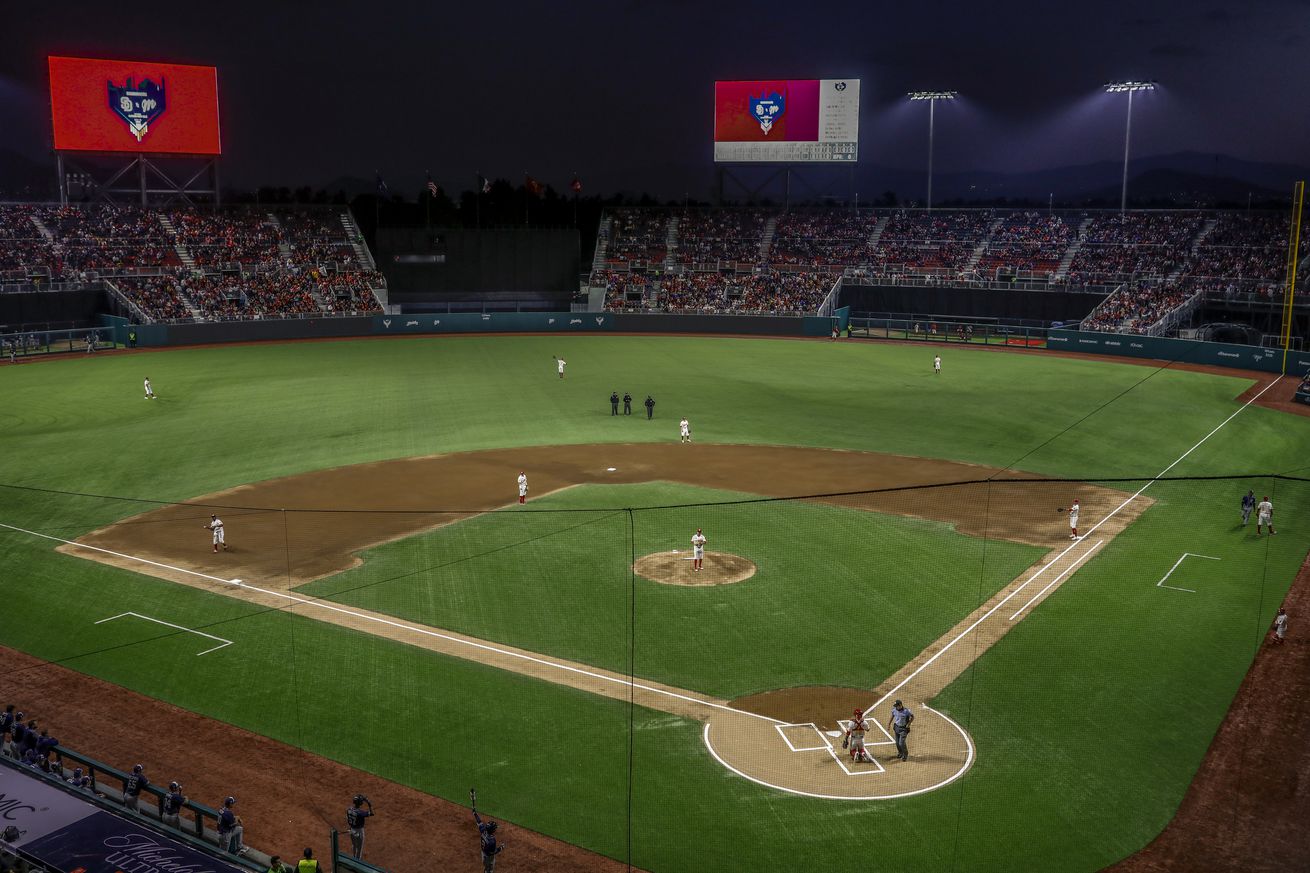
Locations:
{"points": [[231, 831], [174, 800], [133, 786]]}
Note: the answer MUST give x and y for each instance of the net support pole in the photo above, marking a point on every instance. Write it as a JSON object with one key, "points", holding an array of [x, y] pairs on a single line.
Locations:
{"points": [[1293, 246]]}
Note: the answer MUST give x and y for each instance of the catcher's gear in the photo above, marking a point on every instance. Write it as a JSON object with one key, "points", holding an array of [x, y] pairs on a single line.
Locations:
{"points": [[845, 742], [859, 713]]}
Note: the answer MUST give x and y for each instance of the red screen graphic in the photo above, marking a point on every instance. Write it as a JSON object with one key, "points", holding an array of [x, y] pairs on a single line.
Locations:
{"points": [[107, 106], [734, 121]]}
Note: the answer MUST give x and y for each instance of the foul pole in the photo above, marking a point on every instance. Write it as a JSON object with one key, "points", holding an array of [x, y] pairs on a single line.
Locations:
{"points": [[1293, 247]]}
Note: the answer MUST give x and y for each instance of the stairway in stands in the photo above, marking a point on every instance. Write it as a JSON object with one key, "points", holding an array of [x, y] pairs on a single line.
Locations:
{"points": [[362, 255], [877, 232], [171, 230], [283, 247], [46, 233], [766, 241], [1074, 247], [1201, 234], [671, 242], [978, 250], [602, 244]]}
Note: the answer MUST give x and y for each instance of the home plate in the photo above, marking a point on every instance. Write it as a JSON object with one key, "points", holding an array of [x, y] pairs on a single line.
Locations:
{"points": [[610, 469], [833, 733]]}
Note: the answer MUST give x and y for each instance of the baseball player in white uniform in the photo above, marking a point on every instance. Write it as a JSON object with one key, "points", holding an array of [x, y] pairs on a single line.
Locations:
{"points": [[1280, 626], [523, 487], [684, 430], [936, 364], [150, 392], [559, 362], [697, 550], [1264, 515], [216, 526], [855, 737], [1073, 521]]}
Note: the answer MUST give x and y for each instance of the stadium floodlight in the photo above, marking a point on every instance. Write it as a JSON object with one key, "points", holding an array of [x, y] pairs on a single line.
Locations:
{"points": [[1119, 88], [932, 97]]}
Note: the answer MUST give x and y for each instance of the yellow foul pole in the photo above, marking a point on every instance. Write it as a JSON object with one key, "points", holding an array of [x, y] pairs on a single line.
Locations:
{"points": [[1293, 247]]}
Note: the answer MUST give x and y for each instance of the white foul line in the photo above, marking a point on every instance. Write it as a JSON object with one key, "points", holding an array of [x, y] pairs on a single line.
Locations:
{"points": [[224, 642], [1067, 570], [1161, 584], [962, 634], [407, 627]]}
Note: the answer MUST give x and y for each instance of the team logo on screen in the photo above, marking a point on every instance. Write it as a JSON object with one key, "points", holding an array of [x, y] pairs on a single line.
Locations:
{"points": [[767, 110], [138, 105]]}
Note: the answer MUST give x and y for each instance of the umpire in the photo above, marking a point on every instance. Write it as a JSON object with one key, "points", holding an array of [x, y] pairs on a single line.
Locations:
{"points": [[356, 817], [650, 407], [627, 403], [900, 725], [614, 403]]}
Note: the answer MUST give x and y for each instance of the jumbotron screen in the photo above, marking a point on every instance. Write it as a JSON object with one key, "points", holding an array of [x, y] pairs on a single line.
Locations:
{"points": [[787, 121], [143, 107]]}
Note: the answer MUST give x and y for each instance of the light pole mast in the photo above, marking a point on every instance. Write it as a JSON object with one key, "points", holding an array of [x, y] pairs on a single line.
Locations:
{"points": [[932, 97], [1130, 87]]}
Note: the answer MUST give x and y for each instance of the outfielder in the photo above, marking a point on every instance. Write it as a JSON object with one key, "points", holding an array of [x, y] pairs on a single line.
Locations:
{"points": [[150, 392], [684, 430], [697, 550], [936, 364], [559, 362], [855, 738], [1280, 626], [216, 526], [523, 487], [356, 817], [1073, 521], [1264, 515]]}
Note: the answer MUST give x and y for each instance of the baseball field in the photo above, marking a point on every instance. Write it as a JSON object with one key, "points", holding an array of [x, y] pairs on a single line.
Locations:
{"points": [[875, 532]]}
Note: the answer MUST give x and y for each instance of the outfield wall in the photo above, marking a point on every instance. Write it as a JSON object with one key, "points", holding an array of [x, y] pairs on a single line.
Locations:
{"points": [[933, 300], [1170, 349]]}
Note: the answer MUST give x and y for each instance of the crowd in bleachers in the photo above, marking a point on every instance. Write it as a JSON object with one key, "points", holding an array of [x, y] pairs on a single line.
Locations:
{"points": [[1027, 242], [820, 239], [638, 235], [1135, 307], [762, 291], [244, 263], [712, 236]]}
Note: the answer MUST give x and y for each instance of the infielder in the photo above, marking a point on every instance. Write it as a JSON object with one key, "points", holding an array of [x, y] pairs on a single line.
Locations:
{"points": [[900, 727], [356, 817], [1280, 626], [697, 550], [559, 362], [855, 738], [1248, 504], [1073, 521], [684, 430], [1264, 515], [523, 487], [150, 392], [936, 365], [216, 526]]}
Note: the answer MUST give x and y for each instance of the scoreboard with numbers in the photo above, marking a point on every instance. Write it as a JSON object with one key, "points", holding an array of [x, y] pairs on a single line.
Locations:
{"points": [[787, 121]]}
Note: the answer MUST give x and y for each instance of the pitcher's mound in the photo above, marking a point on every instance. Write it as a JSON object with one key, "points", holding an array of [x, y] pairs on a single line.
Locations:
{"points": [[674, 568]]}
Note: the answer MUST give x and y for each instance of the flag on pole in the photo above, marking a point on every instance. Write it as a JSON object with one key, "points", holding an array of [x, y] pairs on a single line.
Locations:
{"points": [[484, 184], [432, 186], [382, 184], [534, 187], [576, 185]]}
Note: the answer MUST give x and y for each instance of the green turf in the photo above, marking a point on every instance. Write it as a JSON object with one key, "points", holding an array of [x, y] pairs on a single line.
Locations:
{"points": [[1047, 706]]}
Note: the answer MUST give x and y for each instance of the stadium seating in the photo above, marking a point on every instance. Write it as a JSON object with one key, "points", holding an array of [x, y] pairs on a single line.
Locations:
{"points": [[720, 235], [184, 264]]}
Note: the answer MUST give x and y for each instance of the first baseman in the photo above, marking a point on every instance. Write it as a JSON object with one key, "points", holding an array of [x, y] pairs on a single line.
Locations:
{"points": [[216, 525], [684, 430], [1264, 515], [1280, 626], [150, 392], [697, 550], [855, 738], [523, 487]]}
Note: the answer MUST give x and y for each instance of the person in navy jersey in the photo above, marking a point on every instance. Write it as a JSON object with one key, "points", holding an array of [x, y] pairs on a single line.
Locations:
{"points": [[17, 731], [174, 800], [487, 839], [133, 786], [45, 744], [79, 779], [356, 817], [30, 737], [230, 829], [6, 725]]}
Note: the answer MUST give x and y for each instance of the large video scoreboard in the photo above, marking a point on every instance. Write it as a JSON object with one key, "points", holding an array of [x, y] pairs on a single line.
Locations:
{"points": [[787, 121], [141, 107]]}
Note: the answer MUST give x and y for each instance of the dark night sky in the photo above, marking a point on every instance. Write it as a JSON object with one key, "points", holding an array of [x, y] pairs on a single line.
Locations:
{"points": [[621, 92]]}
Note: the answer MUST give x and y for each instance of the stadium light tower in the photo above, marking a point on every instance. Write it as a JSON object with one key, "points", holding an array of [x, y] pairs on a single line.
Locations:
{"points": [[932, 97], [1118, 88]]}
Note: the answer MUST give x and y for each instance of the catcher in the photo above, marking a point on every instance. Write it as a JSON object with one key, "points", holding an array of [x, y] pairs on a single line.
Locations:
{"points": [[854, 739]]}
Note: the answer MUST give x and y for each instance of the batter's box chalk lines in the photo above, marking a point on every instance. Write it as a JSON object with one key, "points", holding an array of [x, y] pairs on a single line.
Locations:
{"points": [[1186, 555], [876, 769], [223, 643], [782, 730]]}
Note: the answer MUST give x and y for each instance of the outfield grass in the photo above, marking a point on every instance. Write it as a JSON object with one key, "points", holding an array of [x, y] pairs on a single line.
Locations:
{"points": [[1090, 716]]}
